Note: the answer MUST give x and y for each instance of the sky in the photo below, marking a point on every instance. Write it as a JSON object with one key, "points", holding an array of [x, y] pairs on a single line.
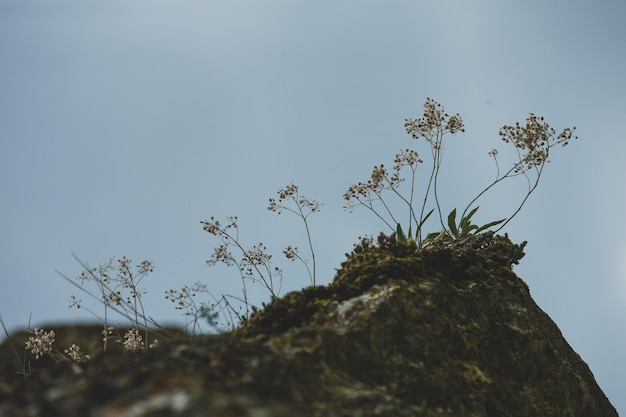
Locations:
{"points": [[124, 124]]}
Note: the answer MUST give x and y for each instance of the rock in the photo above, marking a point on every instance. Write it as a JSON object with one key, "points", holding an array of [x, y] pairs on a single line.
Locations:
{"points": [[402, 331]]}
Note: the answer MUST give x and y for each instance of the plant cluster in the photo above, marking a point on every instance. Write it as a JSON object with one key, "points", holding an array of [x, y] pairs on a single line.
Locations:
{"points": [[532, 142], [184, 299], [40, 344], [303, 207], [119, 284], [255, 264]]}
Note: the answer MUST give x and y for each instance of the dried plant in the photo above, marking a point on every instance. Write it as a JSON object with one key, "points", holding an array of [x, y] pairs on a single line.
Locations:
{"points": [[42, 343], [184, 299], [433, 126], [532, 141], [133, 340], [118, 284], [254, 264], [76, 355], [304, 207]]}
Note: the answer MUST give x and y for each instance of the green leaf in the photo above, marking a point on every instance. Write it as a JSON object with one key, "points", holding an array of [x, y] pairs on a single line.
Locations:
{"points": [[419, 226], [452, 223], [425, 218], [488, 225], [400, 234], [466, 223]]}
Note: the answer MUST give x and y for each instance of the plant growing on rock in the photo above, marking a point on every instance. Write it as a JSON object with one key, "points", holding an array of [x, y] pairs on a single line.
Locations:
{"points": [[304, 207], [42, 343], [184, 299], [533, 142], [255, 264], [118, 284]]}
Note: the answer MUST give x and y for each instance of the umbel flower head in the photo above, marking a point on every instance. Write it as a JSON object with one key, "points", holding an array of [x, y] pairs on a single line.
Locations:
{"points": [[535, 139], [41, 342]]}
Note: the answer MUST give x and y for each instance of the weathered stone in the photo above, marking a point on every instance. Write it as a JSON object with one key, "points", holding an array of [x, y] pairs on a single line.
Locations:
{"points": [[401, 331]]}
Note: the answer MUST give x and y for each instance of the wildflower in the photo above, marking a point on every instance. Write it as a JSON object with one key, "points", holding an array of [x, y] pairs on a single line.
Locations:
{"points": [[133, 340], [74, 301], [221, 254], [291, 192], [145, 267], [291, 252], [107, 332], [75, 354], [41, 342]]}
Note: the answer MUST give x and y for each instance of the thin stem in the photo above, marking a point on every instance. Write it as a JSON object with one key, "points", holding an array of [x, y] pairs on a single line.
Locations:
{"points": [[437, 167], [308, 235], [427, 193], [305, 265], [497, 180], [244, 288], [17, 356], [371, 208], [247, 255], [410, 202], [530, 191]]}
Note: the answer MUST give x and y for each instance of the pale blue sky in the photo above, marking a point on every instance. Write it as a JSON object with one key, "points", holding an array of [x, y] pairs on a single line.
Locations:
{"points": [[123, 124]]}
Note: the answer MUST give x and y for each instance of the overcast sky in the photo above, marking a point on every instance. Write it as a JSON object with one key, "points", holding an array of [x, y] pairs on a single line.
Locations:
{"points": [[123, 124]]}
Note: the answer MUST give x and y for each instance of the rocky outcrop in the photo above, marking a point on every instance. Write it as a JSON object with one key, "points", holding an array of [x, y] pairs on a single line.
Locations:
{"points": [[446, 330]]}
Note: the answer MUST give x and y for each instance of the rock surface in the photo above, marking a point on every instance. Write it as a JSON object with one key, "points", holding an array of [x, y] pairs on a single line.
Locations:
{"points": [[440, 331]]}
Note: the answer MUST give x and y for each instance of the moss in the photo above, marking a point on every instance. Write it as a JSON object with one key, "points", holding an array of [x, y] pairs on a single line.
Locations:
{"points": [[437, 351], [284, 313], [387, 261]]}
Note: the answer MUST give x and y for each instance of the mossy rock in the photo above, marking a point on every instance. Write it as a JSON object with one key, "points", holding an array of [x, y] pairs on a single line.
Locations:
{"points": [[377, 265], [442, 330]]}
